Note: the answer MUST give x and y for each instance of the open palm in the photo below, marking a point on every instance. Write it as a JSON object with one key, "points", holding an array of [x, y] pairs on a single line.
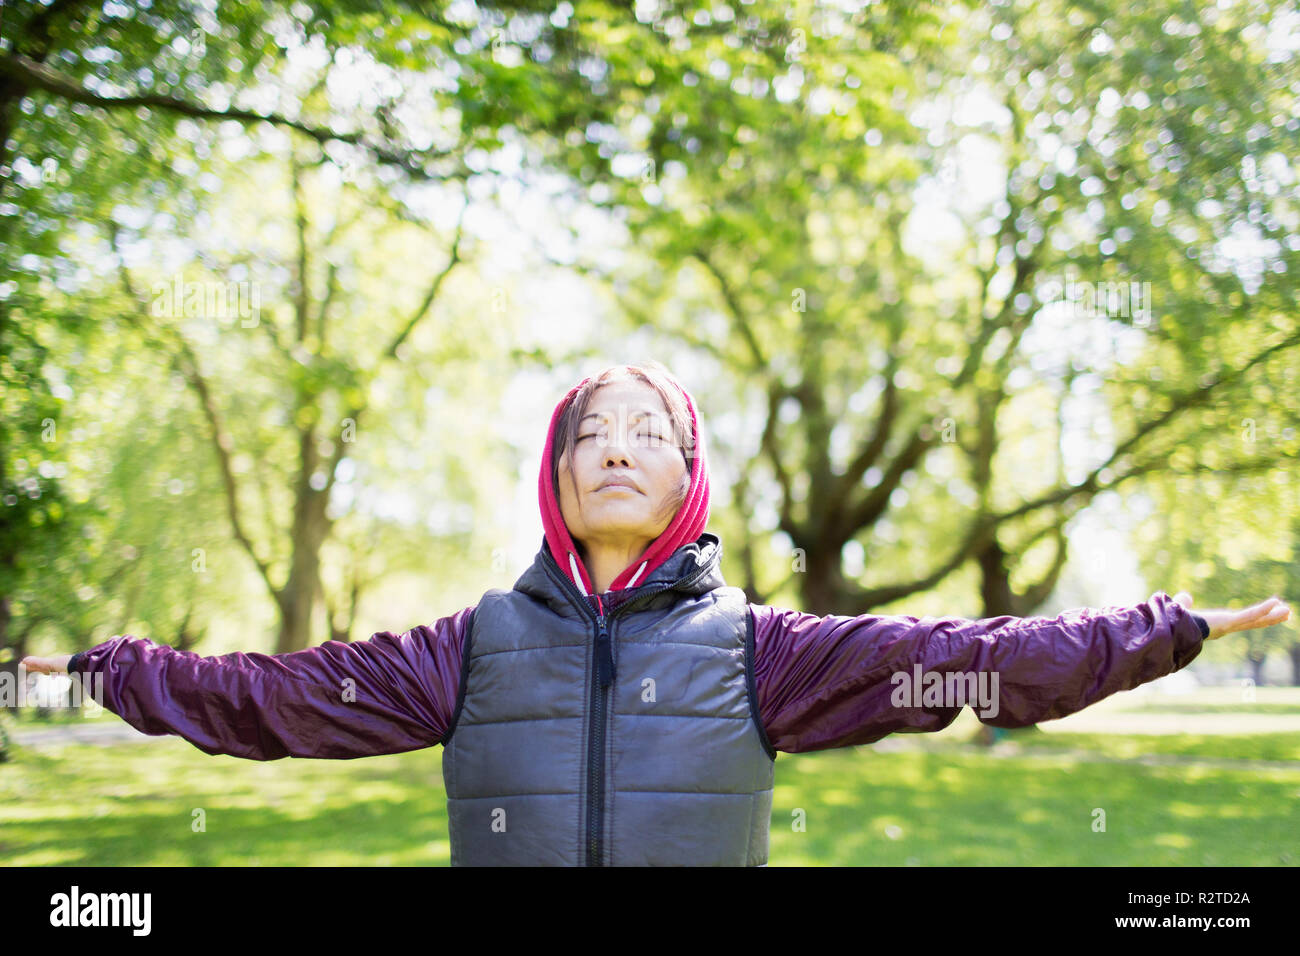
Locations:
{"points": [[1225, 621]]}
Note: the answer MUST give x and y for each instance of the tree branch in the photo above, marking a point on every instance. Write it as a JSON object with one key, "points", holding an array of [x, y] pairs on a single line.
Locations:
{"points": [[1178, 403], [733, 306], [187, 363], [874, 504], [1036, 593], [391, 352], [775, 393], [34, 75], [872, 597], [871, 451]]}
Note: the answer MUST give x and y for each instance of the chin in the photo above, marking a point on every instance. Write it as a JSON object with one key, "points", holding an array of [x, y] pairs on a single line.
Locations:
{"points": [[630, 525]]}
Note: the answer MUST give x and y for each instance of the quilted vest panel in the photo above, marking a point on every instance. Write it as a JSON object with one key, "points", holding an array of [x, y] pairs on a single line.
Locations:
{"points": [[666, 765]]}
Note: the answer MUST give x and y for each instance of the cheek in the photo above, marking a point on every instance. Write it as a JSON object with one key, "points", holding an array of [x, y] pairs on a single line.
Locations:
{"points": [[676, 477], [564, 482]]}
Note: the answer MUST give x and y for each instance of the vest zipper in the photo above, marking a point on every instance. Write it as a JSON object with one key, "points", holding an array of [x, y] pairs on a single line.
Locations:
{"points": [[596, 730], [602, 675], [601, 679], [604, 655]]}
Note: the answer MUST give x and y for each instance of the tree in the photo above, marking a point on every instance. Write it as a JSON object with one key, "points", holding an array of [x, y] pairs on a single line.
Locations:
{"points": [[973, 374], [124, 113]]}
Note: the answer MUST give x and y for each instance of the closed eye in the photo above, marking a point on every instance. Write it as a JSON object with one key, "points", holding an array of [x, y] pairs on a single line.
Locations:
{"points": [[655, 435]]}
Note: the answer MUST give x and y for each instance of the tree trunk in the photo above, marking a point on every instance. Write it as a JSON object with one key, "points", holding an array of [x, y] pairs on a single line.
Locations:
{"points": [[1257, 668], [823, 587], [995, 593], [995, 580], [297, 599]]}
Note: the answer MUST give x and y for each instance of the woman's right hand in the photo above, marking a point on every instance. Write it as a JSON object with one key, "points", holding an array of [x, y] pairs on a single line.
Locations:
{"points": [[47, 665]]}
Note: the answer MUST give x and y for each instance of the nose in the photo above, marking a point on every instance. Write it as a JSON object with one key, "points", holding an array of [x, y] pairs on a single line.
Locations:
{"points": [[616, 449], [616, 456]]}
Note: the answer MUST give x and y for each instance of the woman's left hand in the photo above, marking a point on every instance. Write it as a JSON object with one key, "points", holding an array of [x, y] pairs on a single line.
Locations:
{"points": [[1223, 621], [47, 665]]}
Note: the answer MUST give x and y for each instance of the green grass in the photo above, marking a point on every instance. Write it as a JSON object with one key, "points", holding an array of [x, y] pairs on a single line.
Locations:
{"points": [[1275, 747], [133, 805], [924, 808], [936, 802]]}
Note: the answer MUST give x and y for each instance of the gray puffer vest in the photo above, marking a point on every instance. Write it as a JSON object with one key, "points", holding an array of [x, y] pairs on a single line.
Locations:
{"points": [[665, 762]]}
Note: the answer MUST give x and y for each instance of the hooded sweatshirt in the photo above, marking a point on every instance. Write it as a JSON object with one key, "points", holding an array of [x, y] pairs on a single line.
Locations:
{"points": [[821, 682]]}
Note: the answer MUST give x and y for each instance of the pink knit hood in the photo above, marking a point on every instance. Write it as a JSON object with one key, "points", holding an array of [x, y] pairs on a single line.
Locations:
{"points": [[687, 525]]}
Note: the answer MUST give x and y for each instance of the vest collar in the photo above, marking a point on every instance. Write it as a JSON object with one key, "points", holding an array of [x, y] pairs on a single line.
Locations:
{"points": [[694, 568]]}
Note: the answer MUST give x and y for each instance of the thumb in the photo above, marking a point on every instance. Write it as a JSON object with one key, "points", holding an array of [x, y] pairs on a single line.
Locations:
{"points": [[1183, 598]]}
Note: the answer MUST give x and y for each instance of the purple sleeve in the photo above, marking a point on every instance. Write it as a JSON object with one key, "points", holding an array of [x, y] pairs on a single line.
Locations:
{"points": [[389, 694], [838, 681]]}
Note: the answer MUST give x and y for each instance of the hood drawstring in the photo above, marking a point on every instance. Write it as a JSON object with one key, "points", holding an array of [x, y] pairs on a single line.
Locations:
{"points": [[632, 580], [577, 578], [573, 566]]}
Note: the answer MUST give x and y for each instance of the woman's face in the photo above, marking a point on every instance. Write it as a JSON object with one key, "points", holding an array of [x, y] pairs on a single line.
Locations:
{"points": [[618, 440]]}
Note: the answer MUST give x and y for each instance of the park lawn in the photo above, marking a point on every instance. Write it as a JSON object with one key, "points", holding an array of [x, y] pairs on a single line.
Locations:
{"points": [[1275, 747], [133, 805], [924, 808]]}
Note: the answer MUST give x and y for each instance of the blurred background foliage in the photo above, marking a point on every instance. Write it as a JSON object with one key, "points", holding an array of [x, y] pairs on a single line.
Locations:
{"points": [[989, 307]]}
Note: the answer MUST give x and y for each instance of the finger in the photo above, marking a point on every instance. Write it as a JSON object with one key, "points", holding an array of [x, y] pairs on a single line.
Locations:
{"points": [[1259, 608], [1183, 598], [1273, 608], [1259, 611], [1256, 610], [1253, 618]]}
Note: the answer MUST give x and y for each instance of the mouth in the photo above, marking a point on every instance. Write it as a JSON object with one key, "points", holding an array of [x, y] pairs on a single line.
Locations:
{"points": [[620, 483]]}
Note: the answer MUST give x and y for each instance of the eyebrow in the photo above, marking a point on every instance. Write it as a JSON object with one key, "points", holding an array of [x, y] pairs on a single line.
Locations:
{"points": [[640, 414]]}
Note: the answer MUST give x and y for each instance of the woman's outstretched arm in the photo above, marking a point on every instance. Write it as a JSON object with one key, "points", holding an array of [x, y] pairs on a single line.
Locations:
{"points": [[840, 681], [389, 694]]}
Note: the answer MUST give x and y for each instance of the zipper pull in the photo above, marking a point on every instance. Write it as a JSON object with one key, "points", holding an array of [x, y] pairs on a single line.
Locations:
{"points": [[604, 653]]}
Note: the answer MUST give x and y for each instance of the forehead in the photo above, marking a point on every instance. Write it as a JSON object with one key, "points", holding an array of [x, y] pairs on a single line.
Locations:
{"points": [[625, 398]]}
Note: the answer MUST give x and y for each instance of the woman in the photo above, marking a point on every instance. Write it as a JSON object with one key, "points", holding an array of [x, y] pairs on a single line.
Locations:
{"points": [[621, 704]]}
